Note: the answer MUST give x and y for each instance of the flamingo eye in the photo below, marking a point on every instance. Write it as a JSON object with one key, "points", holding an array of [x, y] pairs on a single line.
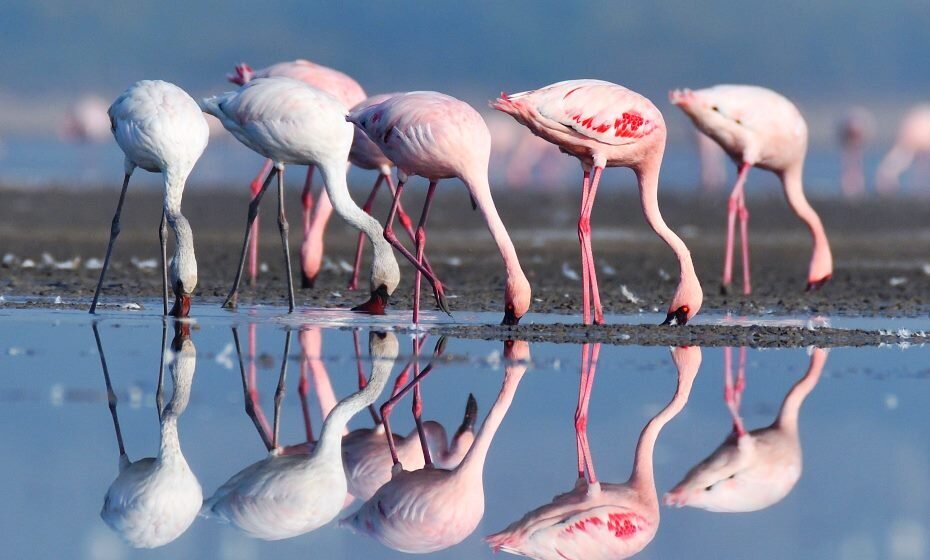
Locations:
{"points": [[715, 108], [685, 308]]}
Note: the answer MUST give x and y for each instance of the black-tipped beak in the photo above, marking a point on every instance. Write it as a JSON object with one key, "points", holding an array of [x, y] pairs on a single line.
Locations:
{"points": [[376, 304], [471, 413], [817, 284], [510, 318], [677, 317]]}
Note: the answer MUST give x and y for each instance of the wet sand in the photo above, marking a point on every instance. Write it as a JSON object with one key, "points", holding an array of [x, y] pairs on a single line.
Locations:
{"points": [[881, 250]]}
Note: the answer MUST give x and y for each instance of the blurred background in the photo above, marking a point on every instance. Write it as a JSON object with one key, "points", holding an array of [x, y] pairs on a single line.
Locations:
{"points": [[64, 62]]}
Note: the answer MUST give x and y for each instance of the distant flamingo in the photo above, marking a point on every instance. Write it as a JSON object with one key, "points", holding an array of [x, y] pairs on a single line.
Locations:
{"points": [[87, 120], [606, 125], [160, 129], [758, 127], [432, 508], [288, 121], [285, 495], [439, 137], [597, 519], [913, 140], [750, 470], [154, 500], [712, 159], [855, 130]]}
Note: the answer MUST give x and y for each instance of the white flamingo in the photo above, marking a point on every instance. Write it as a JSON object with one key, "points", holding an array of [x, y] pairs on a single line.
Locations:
{"points": [[160, 129]]}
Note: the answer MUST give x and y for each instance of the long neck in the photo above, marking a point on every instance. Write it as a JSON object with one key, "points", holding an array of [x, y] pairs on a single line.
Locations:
{"points": [[473, 463], [330, 442], [822, 259], [648, 177], [643, 475], [791, 407], [480, 190], [891, 167], [184, 260], [182, 375]]}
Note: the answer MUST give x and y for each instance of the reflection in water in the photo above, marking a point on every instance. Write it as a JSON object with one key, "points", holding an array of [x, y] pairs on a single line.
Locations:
{"points": [[433, 508], [595, 519], [367, 457], [285, 495], [154, 500], [750, 470]]}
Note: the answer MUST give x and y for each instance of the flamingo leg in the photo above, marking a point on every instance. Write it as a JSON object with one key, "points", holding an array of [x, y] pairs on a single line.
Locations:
{"points": [[249, 393], [406, 222], [111, 395], [159, 394], [233, 296], [589, 359], [279, 391], [284, 228], [392, 239], [255, 186], [369, 202], [388, 406], [418, 419], [162, 239], [744, 240], [732, 209], [306, 199], [733, 394], [421, 246], [584, 233], [585, 270], [114, 231], [303, 389]]}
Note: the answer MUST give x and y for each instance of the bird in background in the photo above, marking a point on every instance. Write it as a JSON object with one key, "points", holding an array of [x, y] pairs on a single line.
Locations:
{"points": [[753, 470], [290, 122], [758, 127], [601, 519], [155, 500], [855, 130], [913, 140], [364, 154], [87, 120], [433, 508], [606, 125], [285, 495], [439, 137], [160, 128], [713, 163]]}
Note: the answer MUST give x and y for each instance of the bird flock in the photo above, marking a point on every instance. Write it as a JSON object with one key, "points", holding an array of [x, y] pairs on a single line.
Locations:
{"points": [[302, 113]]}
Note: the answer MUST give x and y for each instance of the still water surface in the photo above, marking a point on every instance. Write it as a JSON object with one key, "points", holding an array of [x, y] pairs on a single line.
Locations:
{"points": [[842, 472]]}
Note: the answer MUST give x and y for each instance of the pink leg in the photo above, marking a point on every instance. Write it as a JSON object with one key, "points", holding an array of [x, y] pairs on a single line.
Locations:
{"points": [[744, 241], [732, 208], [733, 395], [303, 389], [353, 282], [585, 269], [585, 226], [388, 406], [256, 186], [250, 397], [392, 239], [588, 370], [279, 391], [407, 223], [421, 246], [418, 419]]}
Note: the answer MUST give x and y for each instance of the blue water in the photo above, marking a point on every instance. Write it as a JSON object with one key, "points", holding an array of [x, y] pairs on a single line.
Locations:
{"points": [[864, 491]]}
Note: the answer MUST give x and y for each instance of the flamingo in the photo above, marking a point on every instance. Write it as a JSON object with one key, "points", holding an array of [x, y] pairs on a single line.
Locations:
{"points": [[606, 125], [439, 137], [913, 140], [87, 120], [855, 131], [599, 519], [750, 470], [433, 508], [758, 127], [154, 500], [712, 160], [285, 495], [288, 121], [160, 129]]}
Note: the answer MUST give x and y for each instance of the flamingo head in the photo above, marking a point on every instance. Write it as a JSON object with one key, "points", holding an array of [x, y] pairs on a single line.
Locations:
{"points": [[183, 273], [517, 296], [687, 299], [242, 75], [712, 110]]}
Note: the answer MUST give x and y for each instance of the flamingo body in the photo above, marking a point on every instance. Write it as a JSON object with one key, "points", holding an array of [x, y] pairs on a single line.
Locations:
{"points": [[913, 139], [332, 81]]}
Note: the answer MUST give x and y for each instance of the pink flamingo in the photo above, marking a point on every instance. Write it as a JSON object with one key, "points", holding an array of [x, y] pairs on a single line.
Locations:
{"points": [[913, 140], [291, 122], [160, 128], [433, 508], [712, 159], [855, 130], [758, 127], [750, 470], [87, 120], [439, 137], [606, 125], [598, 519]]}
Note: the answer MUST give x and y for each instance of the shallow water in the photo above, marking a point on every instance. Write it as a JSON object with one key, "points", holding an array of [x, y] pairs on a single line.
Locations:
{"points": [[864, 491]]}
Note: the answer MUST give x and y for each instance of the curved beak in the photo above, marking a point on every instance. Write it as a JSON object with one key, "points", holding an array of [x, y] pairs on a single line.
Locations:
{"points": [[510, 318], [817, 284], [677, 317], [182, 306], [376, 304]]}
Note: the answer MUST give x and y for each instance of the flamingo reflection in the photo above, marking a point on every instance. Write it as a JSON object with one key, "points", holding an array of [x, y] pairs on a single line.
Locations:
{"points": [[433, 508], [154, 500], [600, 519], [750, 470], [288, 494]]}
